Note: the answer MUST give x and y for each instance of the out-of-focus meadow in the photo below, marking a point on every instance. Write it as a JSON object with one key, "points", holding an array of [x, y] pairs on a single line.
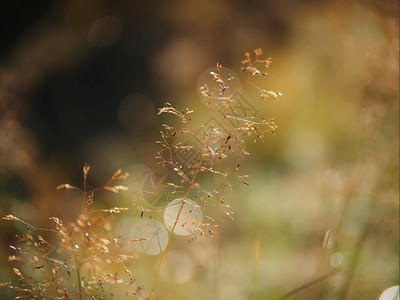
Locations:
{"points": [[82, 81]]}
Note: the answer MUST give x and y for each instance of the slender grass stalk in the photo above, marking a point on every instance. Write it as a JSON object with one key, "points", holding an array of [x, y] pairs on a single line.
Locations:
{"points": [[256, 268], [173, 228], [77, 272], [309, 284], [217, 244], [358, 247], [83, 208]]}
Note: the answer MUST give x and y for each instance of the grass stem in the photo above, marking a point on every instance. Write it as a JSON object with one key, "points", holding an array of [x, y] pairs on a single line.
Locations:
{"points": [[309, 284], [173, 228], [257, 268]]}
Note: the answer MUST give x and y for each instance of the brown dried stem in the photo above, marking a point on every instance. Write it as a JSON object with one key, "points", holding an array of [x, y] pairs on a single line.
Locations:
{"points": [[173, 228], [309, 284]]}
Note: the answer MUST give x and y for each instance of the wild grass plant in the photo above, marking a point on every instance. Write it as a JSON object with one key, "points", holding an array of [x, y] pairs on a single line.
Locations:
{"points": [[73, 260], [86, 258], [215, 144]]}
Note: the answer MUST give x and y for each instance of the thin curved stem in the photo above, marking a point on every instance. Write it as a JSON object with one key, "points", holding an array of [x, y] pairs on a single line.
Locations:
{"points": [[77, 272], [308, 284], [173, 228]]}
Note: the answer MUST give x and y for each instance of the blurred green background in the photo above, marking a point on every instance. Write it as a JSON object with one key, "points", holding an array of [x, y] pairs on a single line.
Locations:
{"points": [[81, 81]]}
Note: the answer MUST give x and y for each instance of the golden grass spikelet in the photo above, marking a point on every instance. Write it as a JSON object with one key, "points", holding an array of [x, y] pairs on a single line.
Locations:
{"points": [[215, 143]]}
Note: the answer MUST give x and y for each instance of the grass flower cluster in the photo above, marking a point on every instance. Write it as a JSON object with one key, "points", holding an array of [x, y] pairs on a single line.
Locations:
{"points": [[87, 259]]}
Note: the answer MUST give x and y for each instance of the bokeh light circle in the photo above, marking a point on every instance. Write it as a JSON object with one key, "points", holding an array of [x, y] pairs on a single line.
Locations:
{"points": [[391, 293], [336, 259], [190, 218], [139, 228]]}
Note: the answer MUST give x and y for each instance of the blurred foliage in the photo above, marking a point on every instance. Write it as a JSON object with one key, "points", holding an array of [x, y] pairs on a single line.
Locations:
{"points": [[81, 81]]}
